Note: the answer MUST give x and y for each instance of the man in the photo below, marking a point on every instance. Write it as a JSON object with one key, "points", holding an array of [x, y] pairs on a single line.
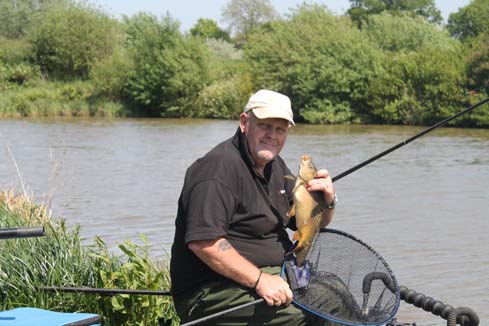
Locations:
{"points": [[230, 236]]}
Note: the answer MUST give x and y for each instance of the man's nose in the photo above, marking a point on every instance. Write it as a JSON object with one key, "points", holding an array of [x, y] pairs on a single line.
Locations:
{"points": [[270, 131]]}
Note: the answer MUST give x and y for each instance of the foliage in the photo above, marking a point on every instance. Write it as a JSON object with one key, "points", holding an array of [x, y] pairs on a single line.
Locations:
{"points": [[208, 29], [477, 64], [470, 21], [14, 52], [16, 16], [223, 50], [68, 58], [244, 16], [421, 87], [404, 33], [60, 259], [76, 98], [169, 70], [109, 75], [19, 74], [224, 99], [322, 61], [361, 10], [68, 40], [424, 70]]}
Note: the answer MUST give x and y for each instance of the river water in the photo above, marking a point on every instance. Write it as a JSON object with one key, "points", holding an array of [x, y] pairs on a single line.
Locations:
{"points": [[424, 207]]}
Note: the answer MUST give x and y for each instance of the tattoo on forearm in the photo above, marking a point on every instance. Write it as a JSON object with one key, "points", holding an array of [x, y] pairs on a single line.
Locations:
{"points": [[224, 245]]}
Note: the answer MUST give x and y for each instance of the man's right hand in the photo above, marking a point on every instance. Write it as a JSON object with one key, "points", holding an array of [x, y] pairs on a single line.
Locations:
{"points": [[274, 290]]}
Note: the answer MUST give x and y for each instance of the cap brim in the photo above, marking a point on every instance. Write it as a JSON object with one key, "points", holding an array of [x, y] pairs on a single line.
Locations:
{"points": [[272, 113]]}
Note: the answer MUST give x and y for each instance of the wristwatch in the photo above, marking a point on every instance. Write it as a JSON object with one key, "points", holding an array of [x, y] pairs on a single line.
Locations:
{"points": [[333, 204]]}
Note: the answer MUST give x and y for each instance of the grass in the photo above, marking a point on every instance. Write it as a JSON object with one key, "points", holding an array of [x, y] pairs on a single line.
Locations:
{"points": [[60, 259], [51, 99]]}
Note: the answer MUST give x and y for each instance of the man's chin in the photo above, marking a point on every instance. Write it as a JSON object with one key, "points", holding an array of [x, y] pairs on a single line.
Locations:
{"points": [[266, 156]]}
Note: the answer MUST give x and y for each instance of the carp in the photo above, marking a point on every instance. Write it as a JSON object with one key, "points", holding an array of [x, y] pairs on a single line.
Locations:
{"points": [[307, 208]]}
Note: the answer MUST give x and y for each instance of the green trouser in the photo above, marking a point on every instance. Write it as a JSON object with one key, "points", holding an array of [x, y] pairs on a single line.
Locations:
{"points": [[223, 294]]}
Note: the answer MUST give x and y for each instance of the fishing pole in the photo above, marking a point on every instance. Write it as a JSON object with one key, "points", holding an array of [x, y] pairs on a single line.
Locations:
{"points": [[407, 141], [102, 291], [11, 233]]}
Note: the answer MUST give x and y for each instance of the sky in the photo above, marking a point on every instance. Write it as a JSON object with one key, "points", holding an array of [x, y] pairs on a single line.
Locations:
{"points": [[187, 12]]}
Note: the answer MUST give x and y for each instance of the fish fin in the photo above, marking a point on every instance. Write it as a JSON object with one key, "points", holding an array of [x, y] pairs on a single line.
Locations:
{"points": [[292, 211], [290, 177]]}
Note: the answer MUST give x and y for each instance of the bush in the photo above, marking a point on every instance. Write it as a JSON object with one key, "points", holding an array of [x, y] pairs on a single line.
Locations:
{"points": [[223, 99], [16, 17], [321, 61], [19, 74], [109, 76], [403, 33], [168, 70], [76, 98], [67, 40], [60, 259], [423, 71], [14, 52]]}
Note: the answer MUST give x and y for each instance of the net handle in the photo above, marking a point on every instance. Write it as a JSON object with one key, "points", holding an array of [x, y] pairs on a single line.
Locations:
{"points": [[220, 313], [370, 277]]}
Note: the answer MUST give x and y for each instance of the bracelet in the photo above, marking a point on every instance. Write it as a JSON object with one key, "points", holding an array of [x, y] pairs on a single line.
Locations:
{"points": [[333, 204], [257, 280]]}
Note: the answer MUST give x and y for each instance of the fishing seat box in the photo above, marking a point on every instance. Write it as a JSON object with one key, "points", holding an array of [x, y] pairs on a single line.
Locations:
{"points": [[40, 317]]}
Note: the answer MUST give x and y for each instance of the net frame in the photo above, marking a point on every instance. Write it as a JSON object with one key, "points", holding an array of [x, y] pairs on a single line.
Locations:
{"points": [[382, 269]]}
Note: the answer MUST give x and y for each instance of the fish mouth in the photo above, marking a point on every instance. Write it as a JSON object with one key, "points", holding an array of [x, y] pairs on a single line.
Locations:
{"points": [[305, 157]]}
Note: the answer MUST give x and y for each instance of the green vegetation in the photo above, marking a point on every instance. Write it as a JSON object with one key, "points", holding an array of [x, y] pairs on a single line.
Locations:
{"points": [[60, 259], [391, 62]]}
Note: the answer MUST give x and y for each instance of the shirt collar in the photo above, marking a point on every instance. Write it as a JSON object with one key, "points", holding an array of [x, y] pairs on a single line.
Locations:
{"points": [[240, 141]]}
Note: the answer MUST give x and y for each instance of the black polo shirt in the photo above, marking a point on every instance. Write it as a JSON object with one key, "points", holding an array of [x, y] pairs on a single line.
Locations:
{"points": [[222, 196]]}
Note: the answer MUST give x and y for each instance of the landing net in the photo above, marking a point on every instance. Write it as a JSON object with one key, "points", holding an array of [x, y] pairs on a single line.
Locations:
{"points": [[344, 280]]}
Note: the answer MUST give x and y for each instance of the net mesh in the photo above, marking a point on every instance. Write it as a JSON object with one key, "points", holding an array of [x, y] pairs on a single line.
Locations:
{"points": [[347, 281]]}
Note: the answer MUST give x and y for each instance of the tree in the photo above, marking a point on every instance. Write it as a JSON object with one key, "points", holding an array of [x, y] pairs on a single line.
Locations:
{"points": [[244, 16], [478, 64], [69, 39], [16, 16], [361, 9], [404, 33], [208, 28], [424, 70], [168, 70], [470, 21], [322, 61]]}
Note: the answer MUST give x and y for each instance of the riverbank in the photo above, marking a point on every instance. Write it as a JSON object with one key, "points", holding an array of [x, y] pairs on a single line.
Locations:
{"points": [[54, 99], [401, 68], [60, 259]]}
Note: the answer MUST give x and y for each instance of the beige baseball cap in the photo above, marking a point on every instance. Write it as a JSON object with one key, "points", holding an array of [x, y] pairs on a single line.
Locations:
{"points": [[269, 104]]}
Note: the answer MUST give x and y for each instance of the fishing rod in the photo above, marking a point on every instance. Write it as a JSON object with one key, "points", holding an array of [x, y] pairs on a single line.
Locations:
{"points": [[102, 291], [11, 233], [407, 141]]}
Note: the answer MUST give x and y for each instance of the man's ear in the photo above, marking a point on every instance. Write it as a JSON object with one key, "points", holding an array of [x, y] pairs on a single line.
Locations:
{"points": [[243, 118]]}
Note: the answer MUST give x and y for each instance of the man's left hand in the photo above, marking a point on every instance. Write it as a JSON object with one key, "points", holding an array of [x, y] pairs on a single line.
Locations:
{"points": [[322, 182]]}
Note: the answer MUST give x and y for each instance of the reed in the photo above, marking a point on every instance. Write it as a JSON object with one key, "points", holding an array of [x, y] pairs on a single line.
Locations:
{"points": [[60, 258], [53, 99]]}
